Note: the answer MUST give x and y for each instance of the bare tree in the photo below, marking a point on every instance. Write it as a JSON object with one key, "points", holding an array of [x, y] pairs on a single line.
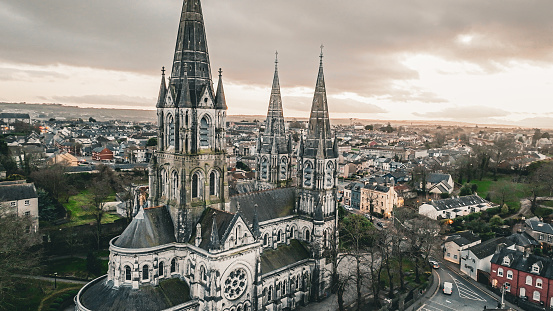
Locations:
{"points": [[100, 190], [504, 190], [19, 252]]}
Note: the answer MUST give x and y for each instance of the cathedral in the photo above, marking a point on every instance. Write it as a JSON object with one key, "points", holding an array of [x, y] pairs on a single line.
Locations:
{"points": [[192, 247]]}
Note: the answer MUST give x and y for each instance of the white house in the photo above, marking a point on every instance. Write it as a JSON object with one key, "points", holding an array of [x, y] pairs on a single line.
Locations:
{"points": [[476, 260], [20, 197], [454, 207], [457, 242]]}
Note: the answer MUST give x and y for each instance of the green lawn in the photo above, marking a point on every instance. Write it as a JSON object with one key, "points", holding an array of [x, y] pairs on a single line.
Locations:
{"points": [[29, 294], [72, 267], [78, 204], [485, 184]]}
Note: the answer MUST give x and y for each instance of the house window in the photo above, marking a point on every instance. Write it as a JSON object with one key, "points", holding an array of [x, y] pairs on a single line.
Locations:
{"points": [[173, 265], [506, 261], [539, 283], [145, 273], [27, 213], [27, 202], [536, 296], [13, 204], [127, 273], [499, 272], [540, 237], [454, 256], [161, 268], [549, 238], [510, 275], [535, 269], [528, 280]]}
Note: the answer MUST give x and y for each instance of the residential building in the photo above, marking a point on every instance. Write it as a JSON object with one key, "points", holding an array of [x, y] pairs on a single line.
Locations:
{"points": [[455, 243], [383, 199], [475, 261], [524, 275], [454, 207], [540, 231], [102, 154], [20, 197]]}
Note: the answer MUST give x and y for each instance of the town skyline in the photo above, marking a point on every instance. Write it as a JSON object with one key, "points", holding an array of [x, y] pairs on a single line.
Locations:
{"points": [[463, 61]]}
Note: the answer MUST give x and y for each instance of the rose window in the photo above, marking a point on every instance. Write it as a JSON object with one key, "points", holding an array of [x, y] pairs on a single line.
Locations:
{"points": [[235, 284]]}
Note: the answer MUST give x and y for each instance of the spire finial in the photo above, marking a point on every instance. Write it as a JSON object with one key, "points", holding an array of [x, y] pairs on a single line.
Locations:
{"points": [[163, 70], [220, 72], [321, 56], [276, 58]]}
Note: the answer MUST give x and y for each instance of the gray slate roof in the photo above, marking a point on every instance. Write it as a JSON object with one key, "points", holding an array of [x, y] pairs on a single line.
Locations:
{"points": [[489, 247], [451, 203], [463, 238], [102, 296], [271, 204], [521, 262], [435, 178], [150, 227], [539, 226], [13, 191], [222, 219], [284, 255]]}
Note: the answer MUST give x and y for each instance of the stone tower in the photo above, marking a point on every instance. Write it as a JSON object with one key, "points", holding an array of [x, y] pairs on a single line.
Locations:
{"points": [[316, 189], [187, 172], [274, 148]]}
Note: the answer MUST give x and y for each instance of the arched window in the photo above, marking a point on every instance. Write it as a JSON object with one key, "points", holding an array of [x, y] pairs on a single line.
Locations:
{"points": [[174, 185], [324, 238], [499, 272], [204, 132], [509, 274], [203, 275], [528, 280], [307, 171], [284, 288], [170, 131], [127, 273], [329, 174], [292, 233], [539, 283], [145, 272], [266, 239], [213, 183], [522, 292], [278, 236], [536, 296], [270, 294], [195, 185], [173, 265], [161, 268], [307, 235], [283, 168], [238, 234], [186, 119], [264, 167], [164, 182]]}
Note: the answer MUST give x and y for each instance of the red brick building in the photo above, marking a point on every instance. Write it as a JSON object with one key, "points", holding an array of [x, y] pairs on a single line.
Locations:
{"points": [[524, 275], [99, 154]]}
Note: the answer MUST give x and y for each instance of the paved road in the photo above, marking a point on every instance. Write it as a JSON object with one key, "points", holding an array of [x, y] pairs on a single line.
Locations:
{"points": [[465, 296]]}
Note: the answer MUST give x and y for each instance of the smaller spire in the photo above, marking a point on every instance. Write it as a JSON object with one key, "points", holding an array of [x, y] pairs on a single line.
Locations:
{"points": [[256, 230], [220, 102], [214, 239], [162, 90]]}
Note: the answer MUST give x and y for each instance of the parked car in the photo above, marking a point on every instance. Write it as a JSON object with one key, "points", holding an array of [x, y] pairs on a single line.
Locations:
{"points": [[434, 264], [448, 288]]}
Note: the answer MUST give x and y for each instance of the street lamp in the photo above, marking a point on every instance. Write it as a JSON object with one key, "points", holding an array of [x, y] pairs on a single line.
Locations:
{"points": [[55, 279]]}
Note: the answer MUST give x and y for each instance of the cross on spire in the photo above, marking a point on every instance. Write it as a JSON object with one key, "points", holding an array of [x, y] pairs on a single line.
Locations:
{"points": [[276, 57], [220, 72], [163, 70]]}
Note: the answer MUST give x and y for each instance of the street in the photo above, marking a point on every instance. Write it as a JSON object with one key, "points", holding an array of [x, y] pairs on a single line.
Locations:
{"points": [[465, 296]]}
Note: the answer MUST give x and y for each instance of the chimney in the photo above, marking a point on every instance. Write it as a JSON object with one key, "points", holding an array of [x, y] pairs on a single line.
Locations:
{"points": [[499, 247], [526, 252]]}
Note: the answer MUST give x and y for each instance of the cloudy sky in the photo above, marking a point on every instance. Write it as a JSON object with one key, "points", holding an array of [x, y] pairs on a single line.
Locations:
{"points": [[467, 60]]}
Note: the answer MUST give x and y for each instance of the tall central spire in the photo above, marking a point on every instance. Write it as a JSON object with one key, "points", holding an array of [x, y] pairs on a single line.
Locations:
{"points": [[319, 123], [274, 125], [191, 60]]}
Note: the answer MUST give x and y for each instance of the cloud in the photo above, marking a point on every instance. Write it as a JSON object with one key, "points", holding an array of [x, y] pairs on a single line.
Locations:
{"points": [[466, 113], [14, 74], [365, 40], [106, 101]]}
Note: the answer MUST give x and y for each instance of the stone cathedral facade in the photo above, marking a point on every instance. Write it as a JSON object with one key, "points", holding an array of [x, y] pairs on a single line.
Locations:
{"points": [[192, 247]]}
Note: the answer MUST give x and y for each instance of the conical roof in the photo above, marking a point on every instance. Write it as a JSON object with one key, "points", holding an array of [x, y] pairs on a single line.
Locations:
{"points": [[220, 102], [274, 125], [191, 60], [319, 122], [162, 90]]}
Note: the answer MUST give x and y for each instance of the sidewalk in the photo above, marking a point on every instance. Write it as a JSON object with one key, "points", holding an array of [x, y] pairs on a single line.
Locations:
{"points": [[431, 291]]}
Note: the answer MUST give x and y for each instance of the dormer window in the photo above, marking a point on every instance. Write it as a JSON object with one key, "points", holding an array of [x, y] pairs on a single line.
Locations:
{"points": [[506, 261], [535, 268]]}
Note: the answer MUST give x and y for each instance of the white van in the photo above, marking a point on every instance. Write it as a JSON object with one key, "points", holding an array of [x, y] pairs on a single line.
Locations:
{"points": [[448, 288]]}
